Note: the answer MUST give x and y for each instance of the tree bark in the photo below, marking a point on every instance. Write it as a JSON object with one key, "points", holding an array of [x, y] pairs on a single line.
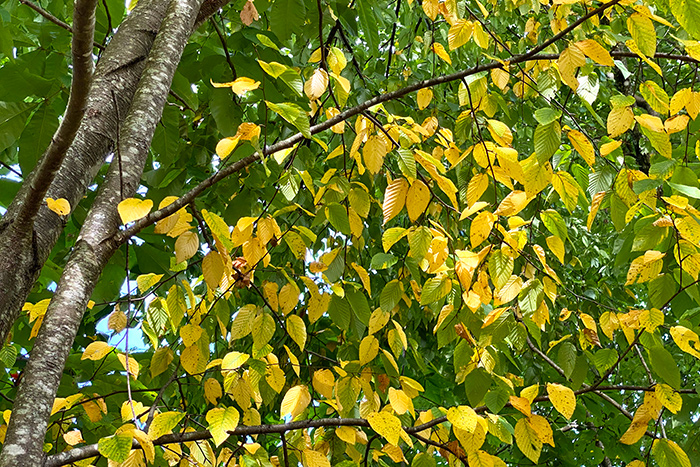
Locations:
{"points": [[32, 408], [24, 251]]}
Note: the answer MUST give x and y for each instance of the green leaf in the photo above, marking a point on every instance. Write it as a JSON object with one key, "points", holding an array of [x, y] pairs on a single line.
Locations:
{"points": [[687, 12], [12, 119], [116, 447], [294, 115], [664, 365], [390, 296], [338, 217], [36, 136], [287, 17], [435, 289], [547, 140], [369, 22]]}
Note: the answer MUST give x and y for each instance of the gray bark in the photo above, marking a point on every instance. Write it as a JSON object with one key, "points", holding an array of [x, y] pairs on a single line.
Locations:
{"points": [[26, 431], [23, 251]]}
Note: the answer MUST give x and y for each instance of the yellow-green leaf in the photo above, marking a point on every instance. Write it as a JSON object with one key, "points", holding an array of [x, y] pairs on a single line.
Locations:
{"points": [[297, 330], [220, 421]]}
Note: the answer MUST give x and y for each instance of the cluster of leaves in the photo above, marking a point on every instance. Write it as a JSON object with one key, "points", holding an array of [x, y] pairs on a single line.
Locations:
{"points": [[442, 277]]}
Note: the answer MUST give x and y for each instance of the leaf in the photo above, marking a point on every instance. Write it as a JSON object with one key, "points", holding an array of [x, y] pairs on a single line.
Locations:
{"points": [[212, 269], [295, 401], [668, 397], [116, 447], [463, 417], [186, 246], [595, 52], [655, 96], [315, 459], [459, 34], [212, 391], [226, 146], [687, 12], [527, 440], [668, 454], [369, 348], [512, 204], [96, 351], [582, 145], [220, 421], [60, 206], [562, 398], [394, 198], [387, 426], [686, 340], [294, 115], [297, 330], [117, 321], [163, 423], [643, 33], [316, 85], [373, 154], [239, 86], [132, 209], [481, 227], [161, 361], [423, 98], [440, 51]]}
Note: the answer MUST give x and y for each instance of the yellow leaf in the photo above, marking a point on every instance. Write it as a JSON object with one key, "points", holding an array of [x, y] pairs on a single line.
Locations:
{"points": [[440, 51], [373, 153], [582, 145], [212, 391], [347, 434], [512, 204], [460, 33], [186, 246], [595, 205], [163, 423], [423, 97], [288, 297], [212, 269], [132, 209], [620, 119], [685, 339], [60, 206], [315, 459], [527, 440], [668, 397], [562, 398], [595, 52], [364, 277], [480, 228], [295, 401], [161, 360], [542, 428], [233, 361], [400, 402], [297, 330], [651, 123], [369, 348], [521, 404], [643, 33], [324, 382], [117, 321], [669, 454], [316, 85], [192, 360], [226, 146], [73, 437], [431, 9], [386, 425], [220, 421], [240, 86], [130, 365], [394, 198], [96, 351], [556, 245], [463, 417]]}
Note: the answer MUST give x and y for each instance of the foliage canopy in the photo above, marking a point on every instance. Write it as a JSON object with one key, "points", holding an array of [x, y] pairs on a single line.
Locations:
{"points": [[364, 233]]}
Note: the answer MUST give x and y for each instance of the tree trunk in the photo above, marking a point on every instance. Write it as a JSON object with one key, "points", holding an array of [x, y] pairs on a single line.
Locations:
{"points": [[24, 252], [32, 408]]}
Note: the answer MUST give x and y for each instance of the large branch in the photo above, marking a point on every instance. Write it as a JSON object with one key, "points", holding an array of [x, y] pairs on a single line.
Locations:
{"points": [[27, 429]]}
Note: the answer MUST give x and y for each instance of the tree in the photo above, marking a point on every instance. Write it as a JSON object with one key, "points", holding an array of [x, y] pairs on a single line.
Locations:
{"points": [[386, 232]]}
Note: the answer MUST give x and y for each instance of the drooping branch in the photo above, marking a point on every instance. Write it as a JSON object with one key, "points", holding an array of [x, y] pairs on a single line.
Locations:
{"points": [[32, 408]]}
